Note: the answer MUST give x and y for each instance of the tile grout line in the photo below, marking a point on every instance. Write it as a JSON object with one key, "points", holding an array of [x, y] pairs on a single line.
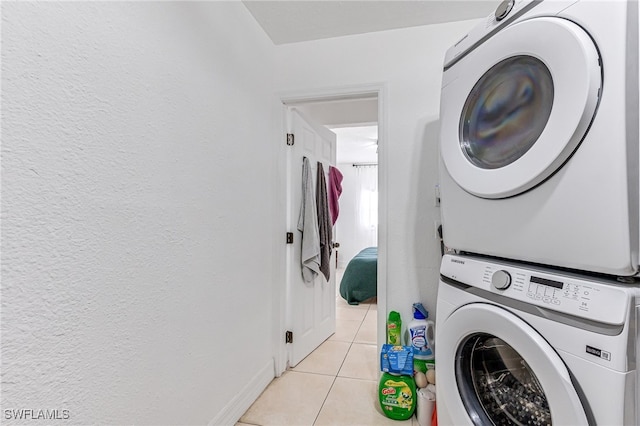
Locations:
{"points": [[326, 397], [340, 368], [335, 377]]}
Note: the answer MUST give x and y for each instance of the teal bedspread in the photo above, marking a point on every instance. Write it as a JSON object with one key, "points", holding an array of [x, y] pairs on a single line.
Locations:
{"points": [[360, 279]]}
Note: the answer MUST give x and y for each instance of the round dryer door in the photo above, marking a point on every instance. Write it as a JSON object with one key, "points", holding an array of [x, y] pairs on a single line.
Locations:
{"points": [[518, 106], [494, 369]]}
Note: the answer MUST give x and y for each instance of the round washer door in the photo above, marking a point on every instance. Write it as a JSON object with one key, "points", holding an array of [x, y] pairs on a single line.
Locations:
{"points": [[494, 369], [518, 106]]}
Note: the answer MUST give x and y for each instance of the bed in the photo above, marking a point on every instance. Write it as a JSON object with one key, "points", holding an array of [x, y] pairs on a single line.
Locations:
{"points": [[360, 279]]}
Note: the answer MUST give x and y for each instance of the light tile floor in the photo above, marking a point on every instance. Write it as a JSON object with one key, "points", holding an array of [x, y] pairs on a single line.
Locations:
{"points": [[337, 384]]}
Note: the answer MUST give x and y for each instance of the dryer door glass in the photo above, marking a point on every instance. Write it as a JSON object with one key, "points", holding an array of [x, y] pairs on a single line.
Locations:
{"points": [[506, 112], [496, 384]]}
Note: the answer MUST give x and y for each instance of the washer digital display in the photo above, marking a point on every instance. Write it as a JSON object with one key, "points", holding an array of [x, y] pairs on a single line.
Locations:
{"points": [[544, 281]]}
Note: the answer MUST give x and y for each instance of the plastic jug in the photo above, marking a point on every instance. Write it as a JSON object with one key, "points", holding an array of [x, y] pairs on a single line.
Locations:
{"points": [[397, 396], [422, 335]]}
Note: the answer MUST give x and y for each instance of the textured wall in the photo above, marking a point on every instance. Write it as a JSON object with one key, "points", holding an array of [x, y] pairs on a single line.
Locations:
{"points": [[136, 208], [137, 204]]}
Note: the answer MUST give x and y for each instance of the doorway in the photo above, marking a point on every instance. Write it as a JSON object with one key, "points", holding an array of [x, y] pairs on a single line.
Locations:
{"points": [[357, 156], [350, 111]]}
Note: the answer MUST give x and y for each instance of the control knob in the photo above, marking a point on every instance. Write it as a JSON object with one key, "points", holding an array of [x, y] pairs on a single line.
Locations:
{"points": [[501, 280], [503, 9]]}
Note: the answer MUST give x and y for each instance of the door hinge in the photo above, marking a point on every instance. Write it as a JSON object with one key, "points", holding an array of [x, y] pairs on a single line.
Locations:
{"points": [[289, 237], [288, 337], [290, 139]]}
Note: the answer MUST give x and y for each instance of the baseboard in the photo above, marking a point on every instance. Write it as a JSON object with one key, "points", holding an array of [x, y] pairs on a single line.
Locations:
{"points": [[238, 405]]}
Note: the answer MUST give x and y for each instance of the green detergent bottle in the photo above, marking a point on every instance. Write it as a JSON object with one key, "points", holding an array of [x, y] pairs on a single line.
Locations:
{"points": [[397, 396], [394, 328]]}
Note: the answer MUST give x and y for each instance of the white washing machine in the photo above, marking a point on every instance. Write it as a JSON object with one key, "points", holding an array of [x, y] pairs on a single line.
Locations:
{"points": [[539, 136], [520, 345]]}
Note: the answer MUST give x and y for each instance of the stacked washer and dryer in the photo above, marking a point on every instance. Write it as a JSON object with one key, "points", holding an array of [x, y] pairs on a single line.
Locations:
{"points": [[538, 311]]}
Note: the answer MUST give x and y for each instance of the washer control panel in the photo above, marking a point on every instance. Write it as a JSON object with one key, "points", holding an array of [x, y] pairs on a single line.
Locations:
{"points": [[603, 301]]}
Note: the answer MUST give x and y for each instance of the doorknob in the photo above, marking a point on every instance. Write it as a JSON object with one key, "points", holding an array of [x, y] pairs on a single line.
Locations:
{"points": [[335, 245]]}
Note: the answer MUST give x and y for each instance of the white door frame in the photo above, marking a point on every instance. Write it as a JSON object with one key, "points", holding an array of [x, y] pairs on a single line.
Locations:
{"points": [[279, 307]]}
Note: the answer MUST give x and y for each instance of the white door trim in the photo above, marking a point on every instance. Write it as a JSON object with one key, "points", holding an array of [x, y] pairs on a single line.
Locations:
{"points": [[282, 100]]}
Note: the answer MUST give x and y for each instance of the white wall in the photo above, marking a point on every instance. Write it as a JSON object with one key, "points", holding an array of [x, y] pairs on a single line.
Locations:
{"points": [[409, 63], [136, 221]]}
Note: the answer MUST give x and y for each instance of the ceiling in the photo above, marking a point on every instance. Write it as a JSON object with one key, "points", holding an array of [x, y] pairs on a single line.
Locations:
{"points": [[357, 144], [303, 20]]}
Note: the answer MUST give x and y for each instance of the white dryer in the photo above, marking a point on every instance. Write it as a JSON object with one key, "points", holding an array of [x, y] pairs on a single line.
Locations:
{"points": [[522, 345], [539, 136]]}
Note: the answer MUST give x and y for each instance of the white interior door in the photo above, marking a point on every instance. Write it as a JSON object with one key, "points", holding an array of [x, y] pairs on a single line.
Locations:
{"points": [[310, 305]]}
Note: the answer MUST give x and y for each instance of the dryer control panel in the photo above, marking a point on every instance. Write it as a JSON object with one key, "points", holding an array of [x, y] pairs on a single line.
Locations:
{"points": [[507, 12], [603, 301]]}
